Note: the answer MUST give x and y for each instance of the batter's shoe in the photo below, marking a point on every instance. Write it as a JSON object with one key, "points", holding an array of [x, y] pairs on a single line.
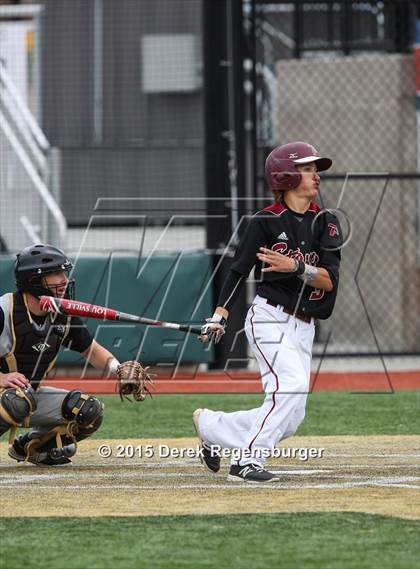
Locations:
{"points": [[253, 473], [209, 456], [17, 451]]}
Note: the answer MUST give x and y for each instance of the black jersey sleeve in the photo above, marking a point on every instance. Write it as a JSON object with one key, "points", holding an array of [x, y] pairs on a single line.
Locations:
{"points": [[330, 260], [1, 321], [231, 289], [332, 236], [331, 242], [254, 238], [79, 338]]}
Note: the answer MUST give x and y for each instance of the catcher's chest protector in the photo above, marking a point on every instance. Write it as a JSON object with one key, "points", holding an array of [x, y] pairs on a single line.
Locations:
{"points": [[34, 347]]}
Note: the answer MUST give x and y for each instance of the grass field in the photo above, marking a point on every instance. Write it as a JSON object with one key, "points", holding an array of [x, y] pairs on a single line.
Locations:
{"points": [[321, 541], [308, 540], [328, 413]]}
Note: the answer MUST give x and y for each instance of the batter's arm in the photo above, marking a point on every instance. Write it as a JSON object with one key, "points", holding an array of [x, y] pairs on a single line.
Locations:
{"points": [[222, 311], [322, 280], [317, 277], [243, 263], [231, 289]]}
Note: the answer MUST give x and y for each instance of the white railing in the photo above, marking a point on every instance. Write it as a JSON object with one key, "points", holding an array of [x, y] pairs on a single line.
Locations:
{"points": [[27, 205]]}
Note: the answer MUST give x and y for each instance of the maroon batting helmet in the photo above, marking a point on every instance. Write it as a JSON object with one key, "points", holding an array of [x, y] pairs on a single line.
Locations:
{"points": [[280, 166]]}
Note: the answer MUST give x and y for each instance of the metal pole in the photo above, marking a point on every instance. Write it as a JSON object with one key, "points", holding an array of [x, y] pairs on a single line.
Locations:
{"points": [[346, 28], [216, 122], [98, 48], [224, 156], [297, 24], [417, 59], [38, 31], [250, 111]]}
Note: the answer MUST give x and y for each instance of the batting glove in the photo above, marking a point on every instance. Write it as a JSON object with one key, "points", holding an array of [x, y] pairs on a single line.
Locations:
{"points": [[213, 330]]}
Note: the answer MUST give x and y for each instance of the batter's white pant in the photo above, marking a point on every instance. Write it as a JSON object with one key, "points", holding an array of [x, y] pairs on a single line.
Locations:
{"points": [[282, 345]]}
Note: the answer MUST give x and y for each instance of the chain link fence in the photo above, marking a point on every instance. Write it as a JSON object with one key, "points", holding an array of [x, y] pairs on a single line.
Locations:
{"points": [[125, 109], [346, 90]]}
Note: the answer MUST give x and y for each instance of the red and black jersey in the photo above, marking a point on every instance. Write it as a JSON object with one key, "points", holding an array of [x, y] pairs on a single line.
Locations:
{"points": [[313, 237]]}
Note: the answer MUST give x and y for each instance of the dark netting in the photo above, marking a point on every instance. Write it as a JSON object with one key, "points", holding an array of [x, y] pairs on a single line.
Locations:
{"points": [[117, 89]]}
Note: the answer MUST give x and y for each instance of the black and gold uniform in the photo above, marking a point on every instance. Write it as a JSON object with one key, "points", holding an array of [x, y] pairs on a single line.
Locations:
{"points": [[29, 345]]}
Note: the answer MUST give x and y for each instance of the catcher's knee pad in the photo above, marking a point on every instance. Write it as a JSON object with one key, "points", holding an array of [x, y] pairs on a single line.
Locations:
{"points": [[86, 410], [16, 405]]}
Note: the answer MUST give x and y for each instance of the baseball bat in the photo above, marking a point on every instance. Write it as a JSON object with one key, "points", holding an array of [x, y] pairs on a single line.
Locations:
{"points": [[78, 308]]}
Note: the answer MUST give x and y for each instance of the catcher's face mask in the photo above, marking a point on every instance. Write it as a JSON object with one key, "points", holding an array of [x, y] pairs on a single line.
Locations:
{"points": [[58, 283]]}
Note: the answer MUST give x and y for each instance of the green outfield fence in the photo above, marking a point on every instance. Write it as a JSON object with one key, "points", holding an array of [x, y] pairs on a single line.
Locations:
{"points": [[165, 287]]}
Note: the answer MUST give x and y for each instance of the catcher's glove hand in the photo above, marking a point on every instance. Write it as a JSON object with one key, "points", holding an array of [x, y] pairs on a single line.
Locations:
{"points": [[212, 331], [134, 380]]}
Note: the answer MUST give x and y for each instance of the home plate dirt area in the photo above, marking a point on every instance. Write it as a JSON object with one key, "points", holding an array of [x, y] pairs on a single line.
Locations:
{"points": [[373, 474]]}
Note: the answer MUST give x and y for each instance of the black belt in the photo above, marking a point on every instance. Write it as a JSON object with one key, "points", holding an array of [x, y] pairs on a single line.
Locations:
{"points": [[302, 317]]}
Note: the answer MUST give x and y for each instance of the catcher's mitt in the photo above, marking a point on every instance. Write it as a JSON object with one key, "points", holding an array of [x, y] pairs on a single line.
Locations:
{"points": [[134, 380]]}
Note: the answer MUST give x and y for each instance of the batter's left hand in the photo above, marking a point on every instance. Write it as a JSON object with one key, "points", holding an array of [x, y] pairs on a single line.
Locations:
{"points": [[278, 263]]}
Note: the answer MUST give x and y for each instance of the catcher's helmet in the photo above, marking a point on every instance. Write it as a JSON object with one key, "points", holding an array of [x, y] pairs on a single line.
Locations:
{"points": [[280, 167], [34, 263]]}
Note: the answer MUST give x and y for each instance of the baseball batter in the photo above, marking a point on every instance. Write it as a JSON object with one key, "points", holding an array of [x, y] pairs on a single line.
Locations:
{"points": [[295, 248]]}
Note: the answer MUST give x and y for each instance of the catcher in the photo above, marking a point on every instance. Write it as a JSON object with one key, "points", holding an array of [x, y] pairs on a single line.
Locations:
{"points": [[30, 340]]}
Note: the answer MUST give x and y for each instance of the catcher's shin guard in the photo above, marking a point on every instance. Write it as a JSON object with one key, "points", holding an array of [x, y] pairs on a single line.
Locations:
{"points": [[16, 405], [43, 450], [57, 443], [84, 413]]}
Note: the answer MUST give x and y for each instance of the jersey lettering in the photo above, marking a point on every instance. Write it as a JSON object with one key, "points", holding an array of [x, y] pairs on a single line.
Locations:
{"points": [[333, 229], [317, 294], [310, 258]]}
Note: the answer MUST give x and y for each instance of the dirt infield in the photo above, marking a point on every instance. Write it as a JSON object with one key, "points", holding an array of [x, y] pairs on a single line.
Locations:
{"points": [[250, 382], [374, 474]]}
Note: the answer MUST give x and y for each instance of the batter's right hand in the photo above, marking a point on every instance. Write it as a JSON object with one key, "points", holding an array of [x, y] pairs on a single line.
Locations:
{"points": [[13, 379], [212, 331]]}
